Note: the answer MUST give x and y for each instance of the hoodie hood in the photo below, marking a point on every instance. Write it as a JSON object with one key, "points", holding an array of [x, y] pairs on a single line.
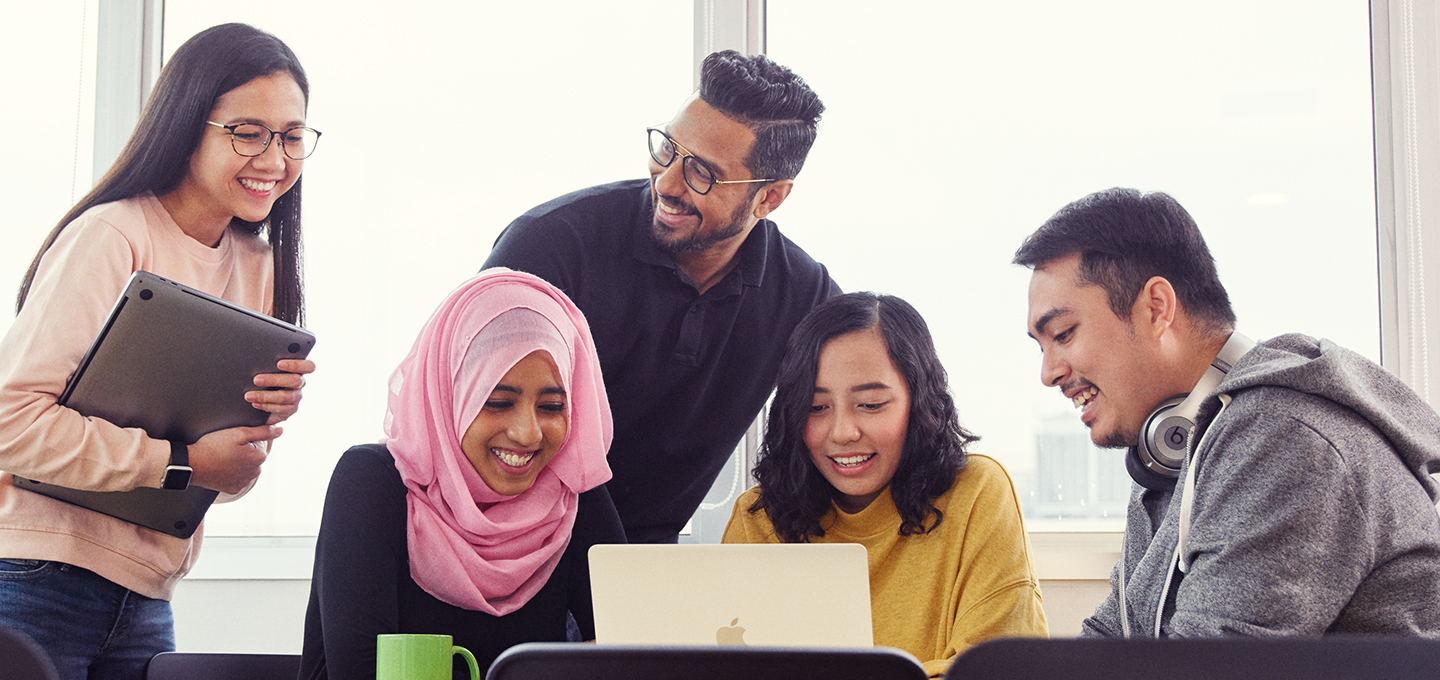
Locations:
{"points": [[1327, 370]]}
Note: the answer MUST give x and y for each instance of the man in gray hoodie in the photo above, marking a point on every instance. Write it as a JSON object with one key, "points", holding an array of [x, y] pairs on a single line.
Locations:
{"points": [[1300, 503]]}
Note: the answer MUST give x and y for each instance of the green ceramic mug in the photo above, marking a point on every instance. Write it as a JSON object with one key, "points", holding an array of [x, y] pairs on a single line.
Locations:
{"points": [[419, 657]]}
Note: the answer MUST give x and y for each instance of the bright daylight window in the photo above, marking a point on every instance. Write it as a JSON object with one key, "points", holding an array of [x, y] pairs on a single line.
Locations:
{"points": [[443, 121], [953, 130], [48, 77]]}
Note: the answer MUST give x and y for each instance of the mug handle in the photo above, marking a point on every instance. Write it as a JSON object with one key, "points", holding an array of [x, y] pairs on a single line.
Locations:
{"points": [[469, 660]]}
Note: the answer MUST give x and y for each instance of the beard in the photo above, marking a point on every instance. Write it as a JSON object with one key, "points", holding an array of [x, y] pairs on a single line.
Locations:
{"points": [[699, 239], [1115, 440]]}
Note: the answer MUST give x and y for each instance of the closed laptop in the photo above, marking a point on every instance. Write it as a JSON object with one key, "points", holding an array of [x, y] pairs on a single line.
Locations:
{"points": [[176, 363]]}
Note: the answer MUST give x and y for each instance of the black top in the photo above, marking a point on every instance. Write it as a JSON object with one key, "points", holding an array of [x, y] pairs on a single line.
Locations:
{"points": [[685, 373], [362, 585]]}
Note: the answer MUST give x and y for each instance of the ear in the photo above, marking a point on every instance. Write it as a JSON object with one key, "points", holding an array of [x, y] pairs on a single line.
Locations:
{"points": [[770, 197], [1156, 307]]}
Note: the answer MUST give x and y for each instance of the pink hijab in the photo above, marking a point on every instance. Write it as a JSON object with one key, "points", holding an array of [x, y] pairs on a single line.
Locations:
{"points": [[470, 546]]}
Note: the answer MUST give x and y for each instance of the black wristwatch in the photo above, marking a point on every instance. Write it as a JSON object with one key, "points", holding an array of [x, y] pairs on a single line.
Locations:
{"points": [[177, 473]]}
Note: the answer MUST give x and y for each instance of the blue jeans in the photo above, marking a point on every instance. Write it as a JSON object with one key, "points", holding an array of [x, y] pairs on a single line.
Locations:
{"points": [[91, 628]]}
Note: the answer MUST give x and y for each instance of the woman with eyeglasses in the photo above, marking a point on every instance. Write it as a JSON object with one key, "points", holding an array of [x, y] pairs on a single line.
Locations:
{"points": [[474, 517], [863, 446], [206, 193]]}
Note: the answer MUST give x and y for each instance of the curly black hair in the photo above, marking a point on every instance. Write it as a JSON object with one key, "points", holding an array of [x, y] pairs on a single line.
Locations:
{"points": [[793, 493]]}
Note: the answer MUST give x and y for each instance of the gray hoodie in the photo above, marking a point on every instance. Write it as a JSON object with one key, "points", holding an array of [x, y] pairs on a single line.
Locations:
{"points": [[1314, 509]]}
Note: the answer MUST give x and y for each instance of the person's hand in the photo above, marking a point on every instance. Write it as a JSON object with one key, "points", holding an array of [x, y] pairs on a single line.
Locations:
{"points": [[229, 460], [282, 398]]}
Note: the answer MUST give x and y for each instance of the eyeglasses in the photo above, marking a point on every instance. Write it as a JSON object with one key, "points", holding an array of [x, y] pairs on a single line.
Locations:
{"points": [[252, 139], [664, 150]]}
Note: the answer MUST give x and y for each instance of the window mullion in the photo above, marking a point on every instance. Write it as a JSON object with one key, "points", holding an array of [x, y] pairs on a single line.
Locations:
{"points": [[127, 64]]}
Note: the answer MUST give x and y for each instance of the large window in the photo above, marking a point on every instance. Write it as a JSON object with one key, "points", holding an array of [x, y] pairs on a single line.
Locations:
{"points": [[47, 77], [442, 122], [953, 130]]}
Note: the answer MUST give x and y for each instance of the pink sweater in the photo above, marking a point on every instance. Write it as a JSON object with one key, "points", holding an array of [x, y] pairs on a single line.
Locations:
{"points": [[78, 282]]}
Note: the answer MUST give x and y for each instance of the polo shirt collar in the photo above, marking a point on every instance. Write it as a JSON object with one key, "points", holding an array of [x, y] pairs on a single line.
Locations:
{"points": [[749, 270]]}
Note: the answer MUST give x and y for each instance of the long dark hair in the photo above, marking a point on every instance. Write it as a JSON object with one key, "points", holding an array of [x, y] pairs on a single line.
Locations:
{"points": [[157, 156], [792, 492]]}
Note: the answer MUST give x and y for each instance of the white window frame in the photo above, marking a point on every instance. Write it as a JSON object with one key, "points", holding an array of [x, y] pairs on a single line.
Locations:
{"points": [[126, 65], [1406, 79]]}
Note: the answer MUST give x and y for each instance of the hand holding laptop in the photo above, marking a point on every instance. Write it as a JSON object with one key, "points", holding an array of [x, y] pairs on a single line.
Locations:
{"points": [[229, 460], [279, 393], [175, 362]]}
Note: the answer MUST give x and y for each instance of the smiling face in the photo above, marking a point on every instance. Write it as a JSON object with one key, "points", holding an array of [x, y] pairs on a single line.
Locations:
{"points": [[858, 418], [686, 221], [221, 184], [521, 427], [1112, 373]]}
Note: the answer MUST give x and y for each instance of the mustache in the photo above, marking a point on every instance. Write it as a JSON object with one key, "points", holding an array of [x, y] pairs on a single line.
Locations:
{"points": [[1080, 383], [676, 203], [672, 201]]}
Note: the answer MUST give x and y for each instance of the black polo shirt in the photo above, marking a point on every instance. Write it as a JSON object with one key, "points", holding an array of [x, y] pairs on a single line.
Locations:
{"points": [[685, 373]]}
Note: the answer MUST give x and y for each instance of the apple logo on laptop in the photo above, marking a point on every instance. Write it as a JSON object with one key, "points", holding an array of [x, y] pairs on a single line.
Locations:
{"points": [[731, 634]]}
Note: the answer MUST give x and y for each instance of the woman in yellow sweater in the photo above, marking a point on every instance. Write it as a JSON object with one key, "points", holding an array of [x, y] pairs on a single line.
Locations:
{"points": [[863, 446]]}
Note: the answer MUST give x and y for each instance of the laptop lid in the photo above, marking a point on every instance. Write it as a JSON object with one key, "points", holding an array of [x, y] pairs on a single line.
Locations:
{"points": [[176, 363], [792, 594]]}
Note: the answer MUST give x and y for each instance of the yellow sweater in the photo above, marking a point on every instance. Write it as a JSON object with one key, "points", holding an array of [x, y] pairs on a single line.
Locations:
{"points": [[935, 595]]}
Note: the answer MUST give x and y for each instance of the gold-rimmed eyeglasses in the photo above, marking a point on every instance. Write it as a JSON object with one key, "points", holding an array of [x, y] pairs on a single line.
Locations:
{"points": [[252, 139], [664, 150]]}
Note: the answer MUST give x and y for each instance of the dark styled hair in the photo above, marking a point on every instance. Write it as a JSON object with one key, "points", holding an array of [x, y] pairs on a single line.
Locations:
{"points": [[793, 493], [1125, 237], [772, 101], [157, 156]]}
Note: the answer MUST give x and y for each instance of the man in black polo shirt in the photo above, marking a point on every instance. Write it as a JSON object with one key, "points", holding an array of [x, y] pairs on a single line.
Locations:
{"points": [[690, 292]]}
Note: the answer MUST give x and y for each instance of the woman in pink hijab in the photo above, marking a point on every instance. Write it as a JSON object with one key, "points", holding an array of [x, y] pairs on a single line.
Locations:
{"points": [[473, 517]]}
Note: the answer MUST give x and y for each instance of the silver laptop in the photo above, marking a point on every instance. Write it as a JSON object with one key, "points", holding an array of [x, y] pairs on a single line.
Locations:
{"points": [[177, 363], [791, 594]]}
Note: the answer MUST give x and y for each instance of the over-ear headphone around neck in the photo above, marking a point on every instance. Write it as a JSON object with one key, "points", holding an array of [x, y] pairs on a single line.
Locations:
{"points": [[1155, 461]]}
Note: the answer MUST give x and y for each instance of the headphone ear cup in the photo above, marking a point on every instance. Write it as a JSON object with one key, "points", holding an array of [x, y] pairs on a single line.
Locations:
{"points": [[1145, 476], [1154, 462]]}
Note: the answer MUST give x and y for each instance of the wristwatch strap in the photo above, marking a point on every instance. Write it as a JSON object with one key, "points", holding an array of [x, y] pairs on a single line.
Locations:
{"points": [[178, 472]]}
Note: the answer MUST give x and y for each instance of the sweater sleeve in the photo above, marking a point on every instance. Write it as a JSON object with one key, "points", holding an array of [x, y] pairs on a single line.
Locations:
{"points": [[1105, 622], [77, 283], [595, 522], [360, 557], [997, 593]]}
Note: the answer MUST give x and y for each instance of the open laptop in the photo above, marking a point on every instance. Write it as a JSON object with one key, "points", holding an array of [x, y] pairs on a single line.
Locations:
{"points": [[176, 363], [791, 594]]}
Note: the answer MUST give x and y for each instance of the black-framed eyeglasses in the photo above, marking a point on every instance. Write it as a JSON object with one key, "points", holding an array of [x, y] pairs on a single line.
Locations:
{"points": [[697, 174], [252, 139]]}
